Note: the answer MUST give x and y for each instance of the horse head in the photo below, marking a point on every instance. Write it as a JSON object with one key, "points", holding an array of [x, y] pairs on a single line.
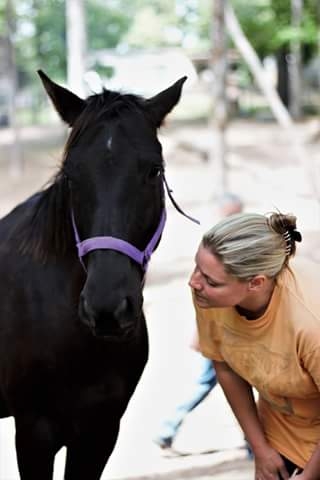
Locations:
{"points": [[113, 165]]}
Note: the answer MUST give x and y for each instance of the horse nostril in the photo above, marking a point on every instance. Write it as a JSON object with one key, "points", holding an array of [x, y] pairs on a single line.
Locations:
{"points": [[106, 321], [85, 311], [123, 313]]}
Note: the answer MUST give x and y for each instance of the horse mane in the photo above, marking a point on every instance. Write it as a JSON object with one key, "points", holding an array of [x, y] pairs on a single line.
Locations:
{"points": [[42, 229], [45, 230]]}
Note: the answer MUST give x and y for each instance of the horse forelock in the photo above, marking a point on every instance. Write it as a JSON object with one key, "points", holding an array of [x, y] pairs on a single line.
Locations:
{"points": [[107, 105]]}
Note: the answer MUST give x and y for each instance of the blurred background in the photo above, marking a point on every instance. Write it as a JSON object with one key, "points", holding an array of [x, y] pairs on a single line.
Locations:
{"points": [[247, 123], [256, 61]]}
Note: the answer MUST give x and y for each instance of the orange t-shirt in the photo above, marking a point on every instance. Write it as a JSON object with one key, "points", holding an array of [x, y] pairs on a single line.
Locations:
{"points": [[279, 355]]}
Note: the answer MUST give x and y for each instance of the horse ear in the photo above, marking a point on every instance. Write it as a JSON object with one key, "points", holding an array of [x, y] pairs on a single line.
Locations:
{"points": [[160, 105], [67, 104]]}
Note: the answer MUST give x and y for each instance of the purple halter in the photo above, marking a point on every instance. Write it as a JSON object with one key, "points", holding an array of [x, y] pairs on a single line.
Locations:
{"points": [[112, 243]]}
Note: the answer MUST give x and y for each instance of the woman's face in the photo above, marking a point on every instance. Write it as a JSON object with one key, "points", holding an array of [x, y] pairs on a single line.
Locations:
{"points": [[212, 286]]}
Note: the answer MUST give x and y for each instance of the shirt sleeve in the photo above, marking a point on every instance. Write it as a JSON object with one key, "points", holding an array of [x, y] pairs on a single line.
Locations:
{"points": [[209, 337]]}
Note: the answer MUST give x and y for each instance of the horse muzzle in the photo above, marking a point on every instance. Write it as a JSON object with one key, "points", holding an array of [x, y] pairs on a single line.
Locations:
{"points": [[117, 321]]}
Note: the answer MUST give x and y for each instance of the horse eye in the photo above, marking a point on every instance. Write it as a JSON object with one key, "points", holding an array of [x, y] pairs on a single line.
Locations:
{"points": [[66, 178], [154, 172]]}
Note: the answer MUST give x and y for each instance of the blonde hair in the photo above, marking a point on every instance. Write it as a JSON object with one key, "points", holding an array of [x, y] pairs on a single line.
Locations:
{"points": [[250, 244]]}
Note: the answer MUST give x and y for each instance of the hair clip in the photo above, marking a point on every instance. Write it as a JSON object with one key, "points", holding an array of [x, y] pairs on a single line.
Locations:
{"points": [[288, 240], [296, 235]]}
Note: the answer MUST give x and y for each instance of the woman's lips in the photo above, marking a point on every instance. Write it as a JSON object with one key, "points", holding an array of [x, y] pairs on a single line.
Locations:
{"points": [[200, 298]]}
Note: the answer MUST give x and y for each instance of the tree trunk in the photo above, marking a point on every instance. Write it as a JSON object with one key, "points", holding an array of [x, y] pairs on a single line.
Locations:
{"points": [[219, 118], [280, 112], [283, 76], [252, 59], [295, 60], [76, 45], [318, 24], [16, 165]]}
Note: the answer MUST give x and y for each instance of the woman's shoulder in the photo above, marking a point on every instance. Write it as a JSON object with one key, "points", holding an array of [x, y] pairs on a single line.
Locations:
{"points": [[301, 284]]}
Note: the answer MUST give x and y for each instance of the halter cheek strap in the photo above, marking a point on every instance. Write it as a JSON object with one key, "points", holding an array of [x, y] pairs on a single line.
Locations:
{"points": [[142, 257]]}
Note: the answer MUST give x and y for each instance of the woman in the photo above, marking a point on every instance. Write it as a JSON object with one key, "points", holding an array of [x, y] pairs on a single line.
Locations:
{"points": [[228, 204], [259, 320]]}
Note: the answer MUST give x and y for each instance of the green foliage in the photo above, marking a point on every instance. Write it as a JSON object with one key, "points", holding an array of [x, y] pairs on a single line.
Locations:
{"points": [[285, 33], [267, 24], [183, 23], [258, 21], [40, 36], [194, 21], [107, 23], [147, 29], [2, 16]]}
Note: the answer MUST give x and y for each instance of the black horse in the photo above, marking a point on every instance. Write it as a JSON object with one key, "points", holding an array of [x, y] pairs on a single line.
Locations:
{"points": [[73, 338]]}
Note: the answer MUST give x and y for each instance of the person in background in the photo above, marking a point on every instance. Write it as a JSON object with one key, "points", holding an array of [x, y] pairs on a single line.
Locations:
{"points": [[258, 316], [228, 204]]}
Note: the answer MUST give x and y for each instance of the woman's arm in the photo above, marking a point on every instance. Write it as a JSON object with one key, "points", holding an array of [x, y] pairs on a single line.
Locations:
{"points": [[240, 397], [239, 394]]}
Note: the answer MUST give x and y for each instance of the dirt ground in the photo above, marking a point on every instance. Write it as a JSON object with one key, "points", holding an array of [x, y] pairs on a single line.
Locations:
{"points": [[41, 150], [263, 166]]}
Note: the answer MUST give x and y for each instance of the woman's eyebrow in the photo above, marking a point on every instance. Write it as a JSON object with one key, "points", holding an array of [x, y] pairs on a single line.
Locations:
{"points": [[213, 280], [209, 277]]}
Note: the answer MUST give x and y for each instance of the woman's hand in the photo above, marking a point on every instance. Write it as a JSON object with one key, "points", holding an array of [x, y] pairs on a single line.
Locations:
{"points": [[269, 465]]}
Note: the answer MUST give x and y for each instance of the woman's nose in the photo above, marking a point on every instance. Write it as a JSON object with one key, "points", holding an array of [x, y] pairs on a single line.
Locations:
{"points": [[195, 281]]}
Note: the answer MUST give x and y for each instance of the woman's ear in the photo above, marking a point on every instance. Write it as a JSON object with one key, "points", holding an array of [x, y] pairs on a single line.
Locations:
{"points": [[257, 283]]}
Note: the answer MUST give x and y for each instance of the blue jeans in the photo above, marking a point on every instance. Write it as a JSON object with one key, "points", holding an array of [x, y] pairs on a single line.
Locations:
{"points": [[203, 386]]}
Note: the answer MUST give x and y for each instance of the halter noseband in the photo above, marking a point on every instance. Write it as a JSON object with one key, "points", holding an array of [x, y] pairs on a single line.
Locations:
{"points": [[113, 243]]}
